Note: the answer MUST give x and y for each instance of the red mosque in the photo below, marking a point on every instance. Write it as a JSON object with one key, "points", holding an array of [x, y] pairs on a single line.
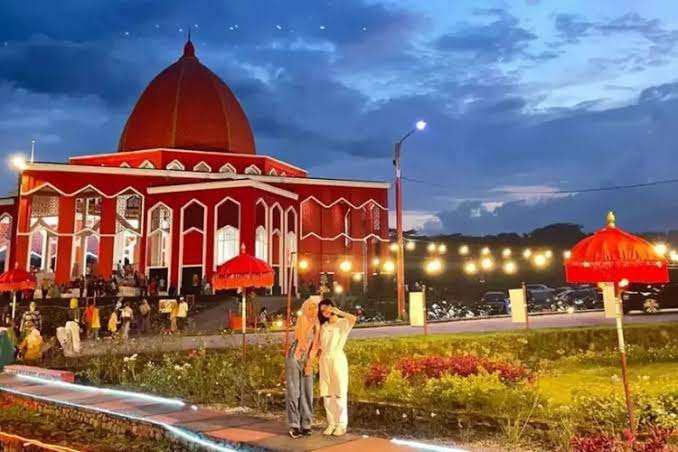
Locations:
{"points": [[184, 190]]}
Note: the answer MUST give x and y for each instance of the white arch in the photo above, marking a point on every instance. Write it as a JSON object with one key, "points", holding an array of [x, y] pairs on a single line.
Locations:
{"points": [[175, 165], [202, 167], [228, 169], [147, 164], [253, 170], [149, 214]]}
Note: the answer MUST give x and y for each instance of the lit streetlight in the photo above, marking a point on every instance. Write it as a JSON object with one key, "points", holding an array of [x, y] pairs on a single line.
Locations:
{"points": [[510, 267], [345, 266], [463, 250], [540, 260], [470, 268], [400, 277], [486, 264], [433, 266], [18, 162], [661, 248]]}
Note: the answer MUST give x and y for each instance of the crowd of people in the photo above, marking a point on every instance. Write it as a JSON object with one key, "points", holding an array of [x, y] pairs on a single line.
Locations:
{"points": [[126, 318]]}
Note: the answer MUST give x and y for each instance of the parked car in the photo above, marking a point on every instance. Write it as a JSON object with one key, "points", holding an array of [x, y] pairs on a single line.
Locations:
{"points": [[579, 297], [496, 302], [540, 297], [650, 298]]}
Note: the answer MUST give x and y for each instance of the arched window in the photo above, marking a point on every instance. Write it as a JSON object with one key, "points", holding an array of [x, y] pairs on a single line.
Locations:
{"points": [[227, 231], [147, 164], [159, 237], [228, 241], [261, 243], [253, 170], [5, 240], [202, 167], [175, 165], [228, 169]]}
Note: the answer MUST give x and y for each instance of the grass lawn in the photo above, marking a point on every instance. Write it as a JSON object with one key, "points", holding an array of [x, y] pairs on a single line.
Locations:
{"points": [[561, 383]]}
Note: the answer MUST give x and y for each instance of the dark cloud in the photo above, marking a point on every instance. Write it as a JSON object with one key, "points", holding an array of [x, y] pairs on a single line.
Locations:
{"points": [[502, 39]]}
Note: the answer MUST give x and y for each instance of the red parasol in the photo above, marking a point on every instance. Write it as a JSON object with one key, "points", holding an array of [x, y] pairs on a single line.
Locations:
{"points": [[614, 256], [243, 272], [14, 281]]}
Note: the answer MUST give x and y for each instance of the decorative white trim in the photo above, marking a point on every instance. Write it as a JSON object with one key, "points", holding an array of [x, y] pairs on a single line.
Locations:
{"points": [[175, 165], [253, 170], [227, 154], [216, 226], [125, 165], [286, 251], [7, 201], [223, 184], [338, 236], [92, 169], [80, 190], [182, 233], [346, 201], [204, 165], [228, 169], [272, 172], [147, 164]]}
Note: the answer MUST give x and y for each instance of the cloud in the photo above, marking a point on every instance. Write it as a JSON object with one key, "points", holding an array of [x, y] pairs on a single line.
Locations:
{"points": [[500, 40]]}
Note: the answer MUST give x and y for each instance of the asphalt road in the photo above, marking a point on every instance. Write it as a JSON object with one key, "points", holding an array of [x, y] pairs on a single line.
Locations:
{"points": [[179, 343]]}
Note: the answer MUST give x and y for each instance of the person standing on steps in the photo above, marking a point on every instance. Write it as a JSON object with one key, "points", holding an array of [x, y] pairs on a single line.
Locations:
{"points": [[334, 330], [299, 371]]}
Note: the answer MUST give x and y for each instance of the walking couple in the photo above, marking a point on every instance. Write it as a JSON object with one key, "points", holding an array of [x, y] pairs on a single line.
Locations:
{"points": [[320, 334]]}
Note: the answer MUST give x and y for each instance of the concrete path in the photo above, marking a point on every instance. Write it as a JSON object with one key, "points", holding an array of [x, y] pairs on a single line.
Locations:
{"points": [[208, 429], [182, 343]]}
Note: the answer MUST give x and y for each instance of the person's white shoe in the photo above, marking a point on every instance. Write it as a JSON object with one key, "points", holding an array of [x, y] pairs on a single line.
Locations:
{"points": [[339, 431], [329, 430]]}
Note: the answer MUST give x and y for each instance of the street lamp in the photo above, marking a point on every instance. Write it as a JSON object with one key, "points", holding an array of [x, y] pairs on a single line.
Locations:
{"points": [[510, 267], [470, 268], [660, 248], [433, 266], [18, 162]]}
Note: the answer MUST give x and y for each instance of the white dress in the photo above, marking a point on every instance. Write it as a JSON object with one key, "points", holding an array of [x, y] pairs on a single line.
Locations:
{"points": [[333, 364]]}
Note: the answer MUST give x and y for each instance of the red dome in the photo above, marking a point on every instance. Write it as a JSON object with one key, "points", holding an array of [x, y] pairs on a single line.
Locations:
{"points": [[187, 106]]}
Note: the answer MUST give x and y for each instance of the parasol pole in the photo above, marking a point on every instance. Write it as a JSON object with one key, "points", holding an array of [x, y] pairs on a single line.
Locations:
{"points": [[622, 353], [13, 304], [244, 320]]}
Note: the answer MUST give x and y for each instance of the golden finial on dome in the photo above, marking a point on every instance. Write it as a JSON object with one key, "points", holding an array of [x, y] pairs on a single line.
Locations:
{"points": [[611, 219]]}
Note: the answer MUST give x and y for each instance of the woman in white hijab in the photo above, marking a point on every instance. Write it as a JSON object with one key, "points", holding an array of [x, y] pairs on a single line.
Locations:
{"points": [[299, 370]]}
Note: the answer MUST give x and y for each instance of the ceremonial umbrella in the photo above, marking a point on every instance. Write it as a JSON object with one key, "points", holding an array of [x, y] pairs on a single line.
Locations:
{"points": [[616, 257], [243, 272], [15, 280]]}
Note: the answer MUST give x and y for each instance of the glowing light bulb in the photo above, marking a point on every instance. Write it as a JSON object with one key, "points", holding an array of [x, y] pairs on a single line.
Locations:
{"points": [[660, 248], [463, 250], [345, 266], [389, 267], [485, 251], [540, 260], [527, 253], [410, 245], [506, 252], [486, 263], [470, 268], [510, 267], [303, 264]]}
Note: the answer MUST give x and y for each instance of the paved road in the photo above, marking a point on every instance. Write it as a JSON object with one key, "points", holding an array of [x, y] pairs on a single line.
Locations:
{"points": [[178, 343]]}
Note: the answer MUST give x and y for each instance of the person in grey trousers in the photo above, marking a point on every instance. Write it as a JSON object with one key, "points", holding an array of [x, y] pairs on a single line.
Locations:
{"points": [[299, 370]]}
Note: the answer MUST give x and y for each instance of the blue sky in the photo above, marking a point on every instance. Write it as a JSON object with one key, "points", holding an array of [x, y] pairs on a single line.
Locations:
{"points": [[523, 98]]}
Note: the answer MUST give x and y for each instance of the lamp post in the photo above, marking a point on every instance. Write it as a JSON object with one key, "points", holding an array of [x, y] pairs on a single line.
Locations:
{"points": [[400, 270]]}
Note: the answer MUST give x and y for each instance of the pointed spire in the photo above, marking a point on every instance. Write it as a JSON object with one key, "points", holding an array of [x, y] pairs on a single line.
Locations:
{"points": [[611, 219], [189, 50]]}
